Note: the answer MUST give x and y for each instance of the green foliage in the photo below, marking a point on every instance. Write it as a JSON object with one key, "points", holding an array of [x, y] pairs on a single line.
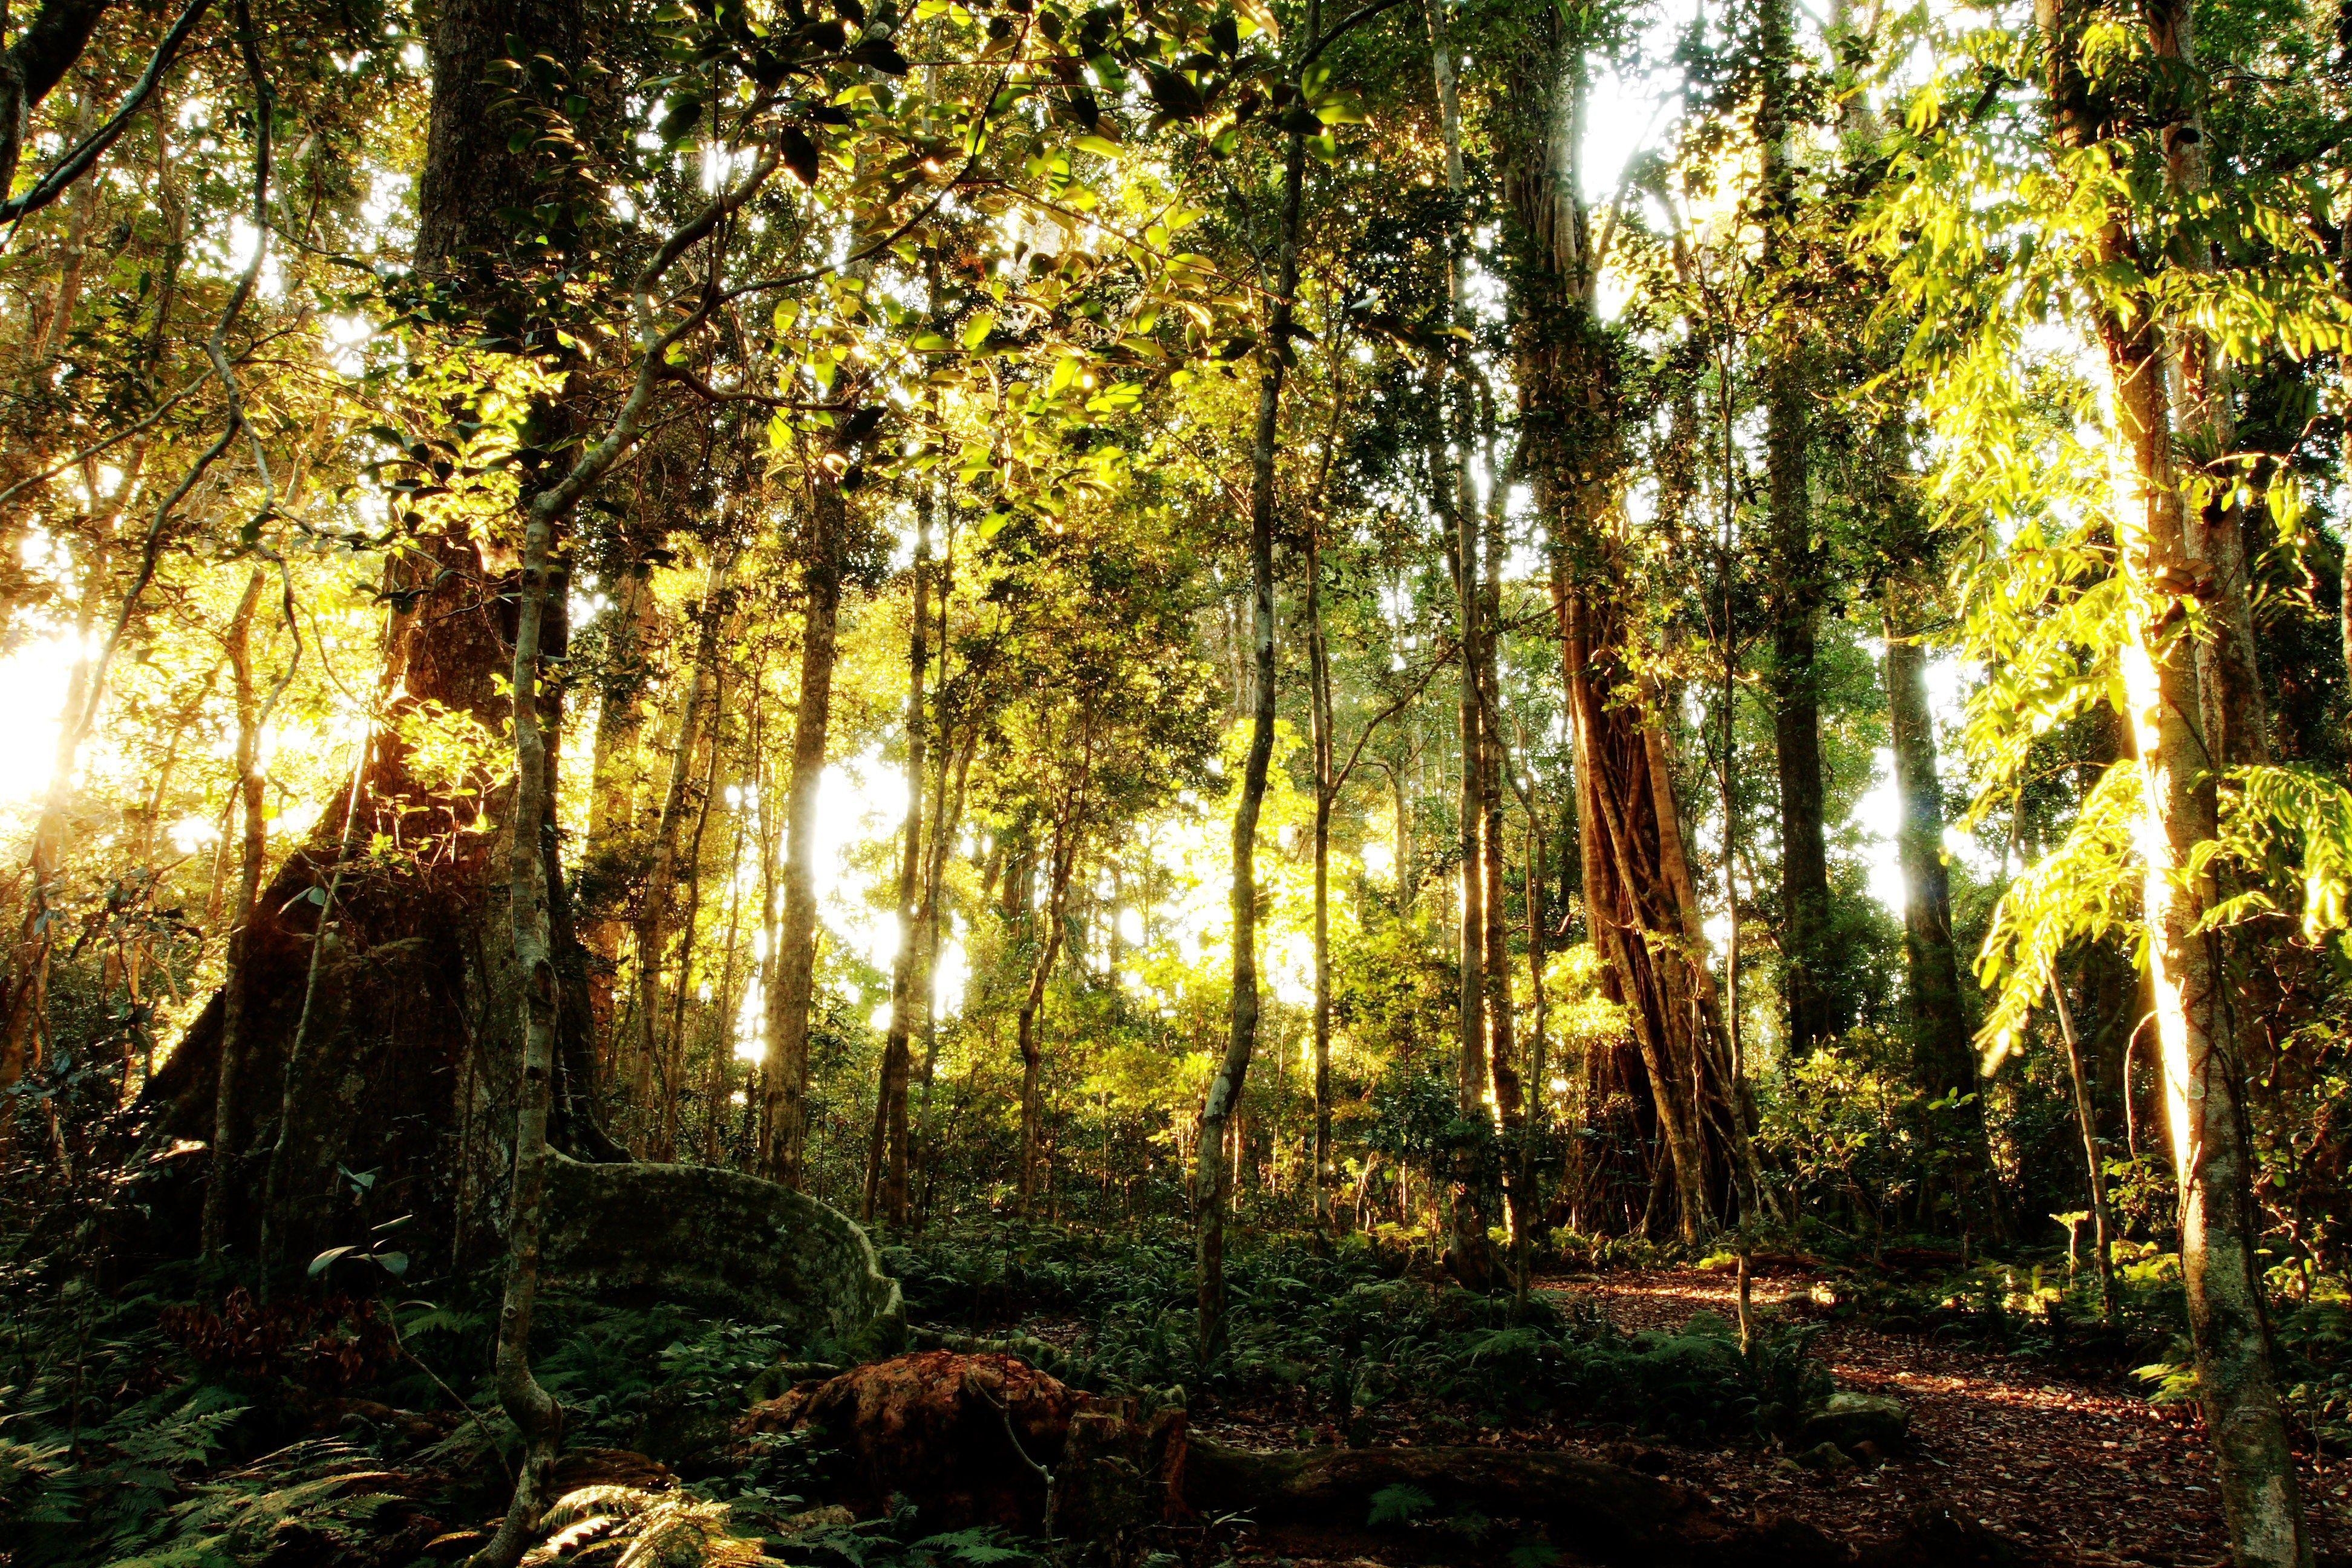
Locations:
{"points": [[1354, 1327], [329, 1497]]}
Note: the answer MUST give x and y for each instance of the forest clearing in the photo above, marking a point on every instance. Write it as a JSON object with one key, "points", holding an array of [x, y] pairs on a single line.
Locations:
{"points": [[936, 783]]}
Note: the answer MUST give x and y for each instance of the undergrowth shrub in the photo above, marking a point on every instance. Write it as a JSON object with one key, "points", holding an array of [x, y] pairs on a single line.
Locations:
{"points": [[1357, 1331]]}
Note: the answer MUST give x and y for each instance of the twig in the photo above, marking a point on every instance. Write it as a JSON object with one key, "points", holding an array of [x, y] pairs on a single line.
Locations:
{"points": [[1004, 1412]]}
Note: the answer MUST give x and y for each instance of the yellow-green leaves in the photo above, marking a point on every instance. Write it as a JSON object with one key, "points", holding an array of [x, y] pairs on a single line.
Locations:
{"points": [[2288, 828], [2084, 889]]}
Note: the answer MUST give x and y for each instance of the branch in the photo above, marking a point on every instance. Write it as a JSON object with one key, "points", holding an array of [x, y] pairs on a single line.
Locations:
{"points": [[116, 440], [1340, 780], [653, 368], [709, 393], [1363, 14], [76, 163]]}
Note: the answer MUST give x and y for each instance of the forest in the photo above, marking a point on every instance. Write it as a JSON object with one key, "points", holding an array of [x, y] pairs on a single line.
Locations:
{"points": [[935, 783]]}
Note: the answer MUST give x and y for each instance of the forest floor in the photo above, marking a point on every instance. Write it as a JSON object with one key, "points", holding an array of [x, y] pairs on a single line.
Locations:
{"points": [[2075, 1464]]}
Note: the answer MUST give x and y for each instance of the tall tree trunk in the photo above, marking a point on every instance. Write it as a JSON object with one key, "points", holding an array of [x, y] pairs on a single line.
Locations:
{"points": [[2196, 1028], [1471, 1257], [1495, 963], [409, 1061], [1814, 1009], [1944, 1063], [661, 872], [886, 1170], [784, 1125], [1624, 903], [254, 843], [1225, 1093], [1573, 444]]}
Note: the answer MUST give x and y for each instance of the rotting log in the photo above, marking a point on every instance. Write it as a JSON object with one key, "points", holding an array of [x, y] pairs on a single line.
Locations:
{"points": [[986, 1438]]}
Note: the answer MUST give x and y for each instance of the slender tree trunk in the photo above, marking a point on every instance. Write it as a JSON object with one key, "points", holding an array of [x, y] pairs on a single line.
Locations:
{"points": [[1538, 1052], [1224, 1092], [785, 1128], [947, 816], [722, 1048], [612, 791], [1471, 1259], [1319, 660], [886, 1171], [254, 843], [1495, 963], [535, 1415], [2086, 1117], [2196, 1028], [1943, 1062], [661, 874], [674, 1086], [1402, 805], [1066, 833]]}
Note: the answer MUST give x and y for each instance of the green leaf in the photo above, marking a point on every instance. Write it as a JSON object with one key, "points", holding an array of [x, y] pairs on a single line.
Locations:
{"points": [[328, 1259], [976, 330]]}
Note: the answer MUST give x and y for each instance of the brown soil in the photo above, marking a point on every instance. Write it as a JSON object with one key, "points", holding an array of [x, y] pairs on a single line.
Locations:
{"points": [[2083, 1465]]}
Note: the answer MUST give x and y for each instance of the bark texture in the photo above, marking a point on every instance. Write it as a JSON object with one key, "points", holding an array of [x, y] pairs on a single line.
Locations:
{"points": [[1675, 1071], [2196, 1025], [784, 1070]]}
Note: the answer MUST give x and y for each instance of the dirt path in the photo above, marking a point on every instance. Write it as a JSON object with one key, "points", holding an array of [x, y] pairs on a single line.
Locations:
{"points": [[2086, 1465]]}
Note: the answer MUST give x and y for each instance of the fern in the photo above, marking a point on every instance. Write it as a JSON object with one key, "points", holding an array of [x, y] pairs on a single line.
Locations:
{"points": [[982, 1547], [654, 1529], [328, 1490], [1400, 1505]]}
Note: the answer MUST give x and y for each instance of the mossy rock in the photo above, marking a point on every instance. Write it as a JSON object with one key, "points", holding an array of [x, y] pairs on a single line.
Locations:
{"points": [[1850, 1419]]}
